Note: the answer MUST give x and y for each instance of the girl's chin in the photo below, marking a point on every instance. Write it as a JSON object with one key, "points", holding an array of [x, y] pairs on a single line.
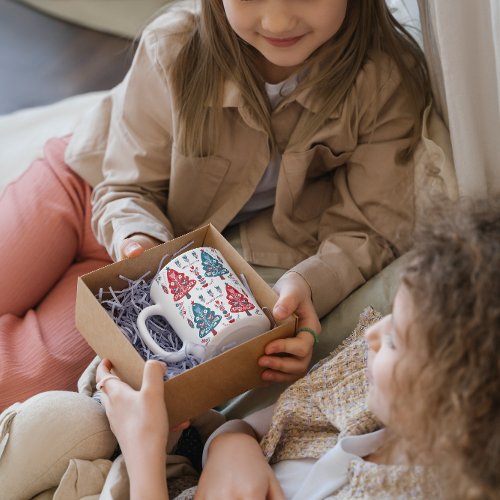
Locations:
{"points": [[373, 404]]}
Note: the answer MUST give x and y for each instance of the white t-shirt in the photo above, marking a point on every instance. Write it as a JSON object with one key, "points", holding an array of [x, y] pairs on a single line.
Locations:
{"points": [[318, 479], [265, 192], [307, 478]]}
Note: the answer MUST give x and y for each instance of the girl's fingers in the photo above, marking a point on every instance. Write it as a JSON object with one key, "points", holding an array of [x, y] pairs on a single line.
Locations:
{"points": [[103, 369], [135, 245], [286, 305], [274, 376], [295, 298], [152, 378], [288, 301], [299, 346], [308, 317], [130, 248], [309, 322], [289, 365], [275, 491], [293, 292], [112, 385]]}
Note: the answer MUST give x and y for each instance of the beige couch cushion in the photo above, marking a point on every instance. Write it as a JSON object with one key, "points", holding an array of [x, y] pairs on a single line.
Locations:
{"points": [[125, 18], [23, 133]]}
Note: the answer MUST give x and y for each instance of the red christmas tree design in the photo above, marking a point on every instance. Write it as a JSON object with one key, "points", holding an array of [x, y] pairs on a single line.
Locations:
{"points": [[238, 301], [179, 284]]}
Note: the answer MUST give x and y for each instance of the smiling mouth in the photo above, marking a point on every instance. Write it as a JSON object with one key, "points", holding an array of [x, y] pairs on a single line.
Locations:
{"points": [[283, 42]]}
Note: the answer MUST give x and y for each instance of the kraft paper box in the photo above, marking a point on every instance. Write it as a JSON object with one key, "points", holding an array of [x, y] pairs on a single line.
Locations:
{"points": [[206, 385]]}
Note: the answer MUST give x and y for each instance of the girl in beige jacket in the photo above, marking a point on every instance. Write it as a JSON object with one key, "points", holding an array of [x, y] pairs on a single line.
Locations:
{"points": [[295, 121]]}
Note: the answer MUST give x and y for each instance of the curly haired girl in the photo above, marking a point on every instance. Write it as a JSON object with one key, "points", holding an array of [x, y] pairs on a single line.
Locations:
{"points": [[433, 387], [452, 405]]}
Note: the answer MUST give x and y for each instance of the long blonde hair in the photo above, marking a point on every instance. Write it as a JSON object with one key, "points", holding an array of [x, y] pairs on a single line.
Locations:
{"points": [[215, 53]]}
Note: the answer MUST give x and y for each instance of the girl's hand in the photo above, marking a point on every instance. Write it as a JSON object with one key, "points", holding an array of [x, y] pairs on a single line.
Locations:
{"points": [[136, 244], [138, 419], [294, 297], [236, 468]]}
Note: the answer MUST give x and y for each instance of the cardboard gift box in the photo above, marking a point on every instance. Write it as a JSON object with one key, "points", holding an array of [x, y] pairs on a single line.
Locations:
{"points": [[206, 385]]}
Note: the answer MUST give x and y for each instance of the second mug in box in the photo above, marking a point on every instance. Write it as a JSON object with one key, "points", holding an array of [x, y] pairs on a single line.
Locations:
{"points": [[205, 303]]}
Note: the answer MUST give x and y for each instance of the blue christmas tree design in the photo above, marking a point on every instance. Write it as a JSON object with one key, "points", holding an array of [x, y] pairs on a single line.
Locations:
{"points": [[206, 320], [212, 266]]}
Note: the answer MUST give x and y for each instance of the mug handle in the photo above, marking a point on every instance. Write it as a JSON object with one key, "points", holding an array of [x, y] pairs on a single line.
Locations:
{"points": [[156, 310]]}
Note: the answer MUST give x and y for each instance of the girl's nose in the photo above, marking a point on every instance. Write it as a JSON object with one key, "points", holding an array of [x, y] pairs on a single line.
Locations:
{"points": [[277, 19], [373, 335]]}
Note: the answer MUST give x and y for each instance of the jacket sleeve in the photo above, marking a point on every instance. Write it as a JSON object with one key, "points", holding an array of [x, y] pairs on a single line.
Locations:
{"points": [[371, 216], [132, 195]]}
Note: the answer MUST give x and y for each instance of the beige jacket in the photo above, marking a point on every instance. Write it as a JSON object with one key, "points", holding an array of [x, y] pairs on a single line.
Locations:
{"points": [[344, 209]]}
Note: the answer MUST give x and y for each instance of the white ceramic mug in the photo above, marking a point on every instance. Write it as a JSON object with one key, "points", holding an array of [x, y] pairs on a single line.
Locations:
{"points": [[205, 303]]}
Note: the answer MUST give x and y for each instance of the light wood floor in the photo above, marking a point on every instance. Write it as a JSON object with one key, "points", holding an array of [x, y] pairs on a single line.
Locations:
{"points": [[43, 60]]}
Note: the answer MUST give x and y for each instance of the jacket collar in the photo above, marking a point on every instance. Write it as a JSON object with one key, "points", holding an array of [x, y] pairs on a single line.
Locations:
{"points": [[232, 98]]}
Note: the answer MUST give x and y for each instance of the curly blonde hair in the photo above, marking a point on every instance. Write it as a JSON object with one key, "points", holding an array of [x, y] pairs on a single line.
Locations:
{"points": [[454, 281]]}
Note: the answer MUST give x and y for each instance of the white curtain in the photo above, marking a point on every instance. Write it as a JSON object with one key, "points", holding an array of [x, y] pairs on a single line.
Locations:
{"points": [[462, 45], [406, 12]]}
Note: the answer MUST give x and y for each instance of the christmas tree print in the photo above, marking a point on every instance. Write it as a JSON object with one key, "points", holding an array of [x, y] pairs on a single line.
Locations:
{"points": [[164, 288], [238, 301], [212, 266], [206, 320], [199, 277], [181, 309], [179, 284], [224, 311]]}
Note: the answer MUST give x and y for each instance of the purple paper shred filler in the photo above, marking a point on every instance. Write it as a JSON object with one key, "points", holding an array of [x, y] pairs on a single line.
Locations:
{"points": [[187, 245], [123, 306]]}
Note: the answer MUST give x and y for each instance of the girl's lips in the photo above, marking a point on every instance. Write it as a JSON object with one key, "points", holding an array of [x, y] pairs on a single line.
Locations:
{"points": [[283, 42]]}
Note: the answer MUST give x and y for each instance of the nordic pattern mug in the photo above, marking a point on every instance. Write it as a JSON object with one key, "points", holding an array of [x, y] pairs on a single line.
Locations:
{"points": [[205, 303]]}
